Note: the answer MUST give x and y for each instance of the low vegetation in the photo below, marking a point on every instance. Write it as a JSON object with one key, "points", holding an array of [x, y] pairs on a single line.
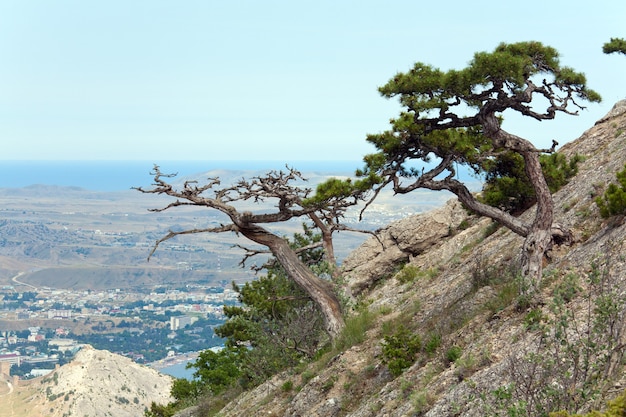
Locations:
{"points": [[613, 201], [575, 353], [615, 408]]}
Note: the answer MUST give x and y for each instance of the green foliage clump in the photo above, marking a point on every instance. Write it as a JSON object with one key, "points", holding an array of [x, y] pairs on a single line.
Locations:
{"points": [[215, 371], [615, 45], [534, 319], [408, 273], [433, 343], [411, 273], [354, 331], [616, 408], [453, 353], [334, 190], [613, 202], [575, 349], [507, 186], [158, 410], [400, 350], [184, 389], [278, 327], [287, 385]]}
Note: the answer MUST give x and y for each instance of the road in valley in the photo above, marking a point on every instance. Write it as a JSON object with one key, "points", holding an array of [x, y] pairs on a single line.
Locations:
{"points": [[15, 279]]}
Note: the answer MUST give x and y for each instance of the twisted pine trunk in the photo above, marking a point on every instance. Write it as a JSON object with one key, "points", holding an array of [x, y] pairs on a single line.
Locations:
{"points": [[539, 239], [539, 236], [320, 291]]}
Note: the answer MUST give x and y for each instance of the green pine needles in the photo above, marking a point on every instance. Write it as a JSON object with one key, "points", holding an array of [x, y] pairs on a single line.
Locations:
{"points": [[507, 186], [615, 45]]}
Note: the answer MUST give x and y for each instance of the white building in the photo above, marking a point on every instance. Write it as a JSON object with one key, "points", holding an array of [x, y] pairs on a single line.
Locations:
{"points": [[179, 322]]}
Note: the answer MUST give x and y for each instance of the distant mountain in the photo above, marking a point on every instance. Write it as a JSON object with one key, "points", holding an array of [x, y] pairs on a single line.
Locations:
{"points": [[59, 192]]}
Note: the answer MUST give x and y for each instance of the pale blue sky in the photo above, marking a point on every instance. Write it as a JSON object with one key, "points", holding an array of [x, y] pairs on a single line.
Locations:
{"points": [[283, 80]]}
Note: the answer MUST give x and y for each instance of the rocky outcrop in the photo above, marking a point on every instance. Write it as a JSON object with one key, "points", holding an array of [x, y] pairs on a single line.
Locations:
{"points": [[398, 243]]}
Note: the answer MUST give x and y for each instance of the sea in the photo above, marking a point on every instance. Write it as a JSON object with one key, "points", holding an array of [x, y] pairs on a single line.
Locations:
{"points": [[123, 175], [179, 370], [110, 175]]}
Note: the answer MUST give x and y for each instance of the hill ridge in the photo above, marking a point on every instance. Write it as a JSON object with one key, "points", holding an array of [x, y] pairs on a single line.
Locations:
{"points": [[95, 383]]}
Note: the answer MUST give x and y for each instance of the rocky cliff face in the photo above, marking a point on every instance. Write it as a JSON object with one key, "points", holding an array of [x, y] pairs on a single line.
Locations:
{"points": [[459, 259], [96, 383]]}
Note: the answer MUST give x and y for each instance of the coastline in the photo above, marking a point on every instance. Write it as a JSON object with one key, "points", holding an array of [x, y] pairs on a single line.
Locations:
{"points": [[176, 365]]}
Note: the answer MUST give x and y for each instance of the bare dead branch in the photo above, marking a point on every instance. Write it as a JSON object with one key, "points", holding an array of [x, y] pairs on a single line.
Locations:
{"points": [[368, 232], [171, 234]]}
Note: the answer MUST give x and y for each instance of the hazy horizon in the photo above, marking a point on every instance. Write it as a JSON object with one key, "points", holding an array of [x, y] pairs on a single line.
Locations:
{"points": [[105, 175]]}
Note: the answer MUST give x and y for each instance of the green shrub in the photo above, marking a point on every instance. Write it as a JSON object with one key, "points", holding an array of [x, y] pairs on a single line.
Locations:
{"points": [[183, 389], [422, 401], [433, 343], [568, 288], [215, 371], [453, 353], [354, 331], [465, 366], [533, 319], [157, 410], [400, 350], [287, 385], [575, 349], [307, 376], [613, 202], [408, 273], [616, 408]]}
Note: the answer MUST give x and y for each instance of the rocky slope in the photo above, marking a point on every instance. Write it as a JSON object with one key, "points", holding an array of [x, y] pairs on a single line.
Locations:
{"points": [[96, 383], [460, 261]]}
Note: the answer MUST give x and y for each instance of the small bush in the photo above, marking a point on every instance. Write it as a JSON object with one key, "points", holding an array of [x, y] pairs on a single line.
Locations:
{"points": [[613, 202], [433, 343], [453, 354], [616, 408], [422, 401], [355, 329], [463, 225], [465, 366], [157, 410], [533, 319], [329, 384], [307, 376], [411, 273], [408, 273], [400, 350], [287, 385], [568, 288]]}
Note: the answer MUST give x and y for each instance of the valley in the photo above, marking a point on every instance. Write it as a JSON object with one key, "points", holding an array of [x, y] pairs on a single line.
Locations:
{"points": [[74, 265]]}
